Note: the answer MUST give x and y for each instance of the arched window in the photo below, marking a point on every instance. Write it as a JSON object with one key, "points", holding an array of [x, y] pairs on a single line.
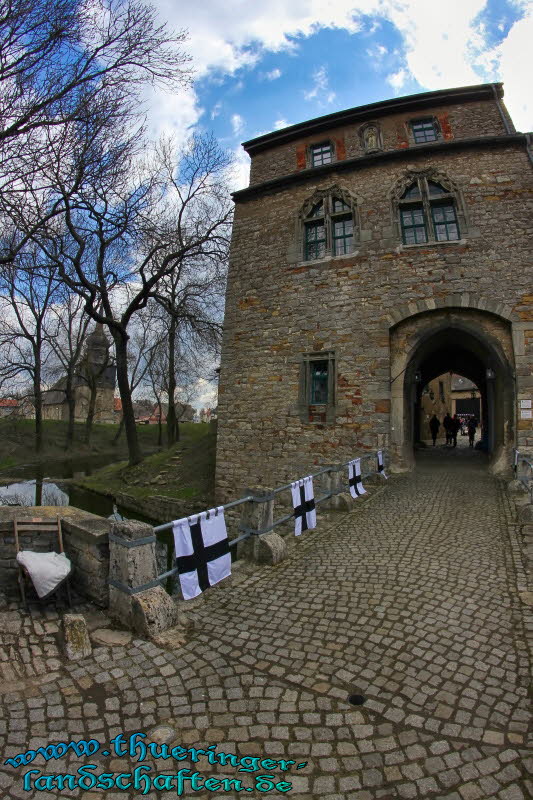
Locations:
{"points": [[328, 228], [428, 213]]}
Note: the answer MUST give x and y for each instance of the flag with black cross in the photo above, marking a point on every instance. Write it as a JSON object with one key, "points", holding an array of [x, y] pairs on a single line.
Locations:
{"points": [[303, 501], [381, 468], [354, 478], [202, 551]]}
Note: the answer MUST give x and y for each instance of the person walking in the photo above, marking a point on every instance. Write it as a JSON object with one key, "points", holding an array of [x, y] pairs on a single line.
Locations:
{"points": [[434, 426], [472, 425], [448, 424], [456, 427]]}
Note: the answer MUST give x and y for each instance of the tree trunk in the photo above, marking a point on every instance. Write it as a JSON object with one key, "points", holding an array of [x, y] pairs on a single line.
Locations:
{"points": [[71, 406], [90, 410], [172, 434], [159, 423], [119, 432], [38, 399], [121, 351]]}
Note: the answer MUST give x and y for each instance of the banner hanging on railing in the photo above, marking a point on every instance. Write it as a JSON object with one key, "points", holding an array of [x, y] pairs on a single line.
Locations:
{"points": [[381, 468], [516, 457], [354, 478], [303, 501], [202, 551]]}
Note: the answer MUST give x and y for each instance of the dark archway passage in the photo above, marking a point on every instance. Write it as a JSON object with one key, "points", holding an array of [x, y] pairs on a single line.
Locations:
{"points": [[468, 344]]}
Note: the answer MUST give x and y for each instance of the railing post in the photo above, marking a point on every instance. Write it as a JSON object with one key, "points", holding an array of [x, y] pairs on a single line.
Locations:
{"points": [[130, 565], [135, 597], [266, 548], [336, 482]]}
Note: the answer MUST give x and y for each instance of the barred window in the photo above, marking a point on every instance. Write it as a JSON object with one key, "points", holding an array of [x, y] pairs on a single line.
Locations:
{"points": [[317, 387]]}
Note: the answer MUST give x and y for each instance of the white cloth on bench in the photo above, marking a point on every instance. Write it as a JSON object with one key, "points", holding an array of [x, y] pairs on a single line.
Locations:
{"points": [[46, 570]]}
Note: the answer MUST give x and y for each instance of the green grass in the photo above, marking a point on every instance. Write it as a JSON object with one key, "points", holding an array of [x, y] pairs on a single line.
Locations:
{"points": [[186, 470], [17, 441]]}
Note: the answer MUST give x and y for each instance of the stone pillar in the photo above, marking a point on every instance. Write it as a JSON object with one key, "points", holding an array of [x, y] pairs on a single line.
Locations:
{"points": [[267, 548], [337, 483], [129, 566]]}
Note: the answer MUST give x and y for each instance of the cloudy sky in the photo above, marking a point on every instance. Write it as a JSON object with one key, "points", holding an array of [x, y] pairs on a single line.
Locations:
{"points": [[264, 65]]}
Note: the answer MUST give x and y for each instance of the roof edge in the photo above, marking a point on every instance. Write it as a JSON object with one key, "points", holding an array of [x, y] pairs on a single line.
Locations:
{"points": [[408, 102], [360, 162]]}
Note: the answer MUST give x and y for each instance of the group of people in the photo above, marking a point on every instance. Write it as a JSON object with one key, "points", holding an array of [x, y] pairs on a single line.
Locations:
{"points": [[452, 426]]}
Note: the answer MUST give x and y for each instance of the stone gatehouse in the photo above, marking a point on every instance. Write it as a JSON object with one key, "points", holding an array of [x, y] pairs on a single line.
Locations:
{"points": [[375, 249]]}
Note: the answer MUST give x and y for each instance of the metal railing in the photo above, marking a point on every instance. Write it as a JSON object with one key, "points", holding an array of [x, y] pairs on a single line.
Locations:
{"points": [[250, 498]]}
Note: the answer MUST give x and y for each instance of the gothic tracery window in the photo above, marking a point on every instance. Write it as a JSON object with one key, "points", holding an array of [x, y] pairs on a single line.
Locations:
{"points": [[328, 228], [428, 213]]}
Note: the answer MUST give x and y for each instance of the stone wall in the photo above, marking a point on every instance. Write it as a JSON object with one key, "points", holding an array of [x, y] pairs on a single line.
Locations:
{"points": [[85, 539], [280, 307], [456, 122]]}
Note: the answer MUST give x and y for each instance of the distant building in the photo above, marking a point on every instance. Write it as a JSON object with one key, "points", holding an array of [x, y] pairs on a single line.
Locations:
{"points": [[94, 367]]}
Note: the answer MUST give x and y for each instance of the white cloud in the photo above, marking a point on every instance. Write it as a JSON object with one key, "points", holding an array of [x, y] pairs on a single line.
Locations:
{"points": [[215, 111], [440, 48], [508, 60], [377, 53], [397, 79], [273, 75], [280, 123], [320, 91], [237, 123]]}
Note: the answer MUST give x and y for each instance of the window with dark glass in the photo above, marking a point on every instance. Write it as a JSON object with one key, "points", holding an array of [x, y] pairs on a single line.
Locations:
{"points": [[321, 154], [428, 213], [317, 388], [328, 229], [424, 130], [319, 382]]}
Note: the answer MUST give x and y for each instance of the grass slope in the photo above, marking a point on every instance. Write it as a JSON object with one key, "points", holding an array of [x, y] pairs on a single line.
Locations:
{"points": [[186, 470], [17, 441]]}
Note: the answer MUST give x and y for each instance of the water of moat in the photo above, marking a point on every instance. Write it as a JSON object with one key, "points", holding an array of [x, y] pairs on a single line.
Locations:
{"points": [[49, 485]]}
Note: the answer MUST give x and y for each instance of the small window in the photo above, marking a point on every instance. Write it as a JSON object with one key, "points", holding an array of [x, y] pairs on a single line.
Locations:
{"points": [[424, 130], [321, 154], [328, 229], [319, 382], [317, 388]]}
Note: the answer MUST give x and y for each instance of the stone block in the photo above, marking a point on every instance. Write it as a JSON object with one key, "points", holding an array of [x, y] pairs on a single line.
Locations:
{"points": [[153, 612], [76, 637], [271, 549]]}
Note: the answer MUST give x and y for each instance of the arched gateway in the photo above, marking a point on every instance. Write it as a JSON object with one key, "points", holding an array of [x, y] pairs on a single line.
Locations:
{"points": [[376, 250], [475, 343]]}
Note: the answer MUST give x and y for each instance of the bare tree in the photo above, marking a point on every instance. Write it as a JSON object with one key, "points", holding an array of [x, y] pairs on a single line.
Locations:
{"points": [[27, 290], [127, 232], [69, 62], [67, 330]]}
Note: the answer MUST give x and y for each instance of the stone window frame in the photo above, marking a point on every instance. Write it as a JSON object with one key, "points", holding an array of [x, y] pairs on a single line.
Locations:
{"points": [[322, 144], [411, 135], [453, 194], [363, 131], [324, 413], [327, 196]]}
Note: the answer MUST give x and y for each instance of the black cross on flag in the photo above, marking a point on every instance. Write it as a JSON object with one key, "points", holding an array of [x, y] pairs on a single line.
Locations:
{"points": [[303, 501], [354, 477], [381, 468], [202, 551]]}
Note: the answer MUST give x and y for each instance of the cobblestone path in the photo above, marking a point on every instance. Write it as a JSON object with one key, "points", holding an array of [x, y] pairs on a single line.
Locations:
{"points": [[411, 603]]}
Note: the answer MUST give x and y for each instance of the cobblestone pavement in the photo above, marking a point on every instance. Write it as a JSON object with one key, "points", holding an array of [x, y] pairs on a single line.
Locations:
{"points": [[410, 603]]}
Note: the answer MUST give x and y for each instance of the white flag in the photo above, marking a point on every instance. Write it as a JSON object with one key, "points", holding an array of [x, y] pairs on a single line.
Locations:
{"points": [[303, 501], [202, 551]]}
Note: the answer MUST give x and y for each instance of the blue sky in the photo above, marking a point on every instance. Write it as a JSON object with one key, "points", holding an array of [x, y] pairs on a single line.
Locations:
{"points": [[264, 65]]}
